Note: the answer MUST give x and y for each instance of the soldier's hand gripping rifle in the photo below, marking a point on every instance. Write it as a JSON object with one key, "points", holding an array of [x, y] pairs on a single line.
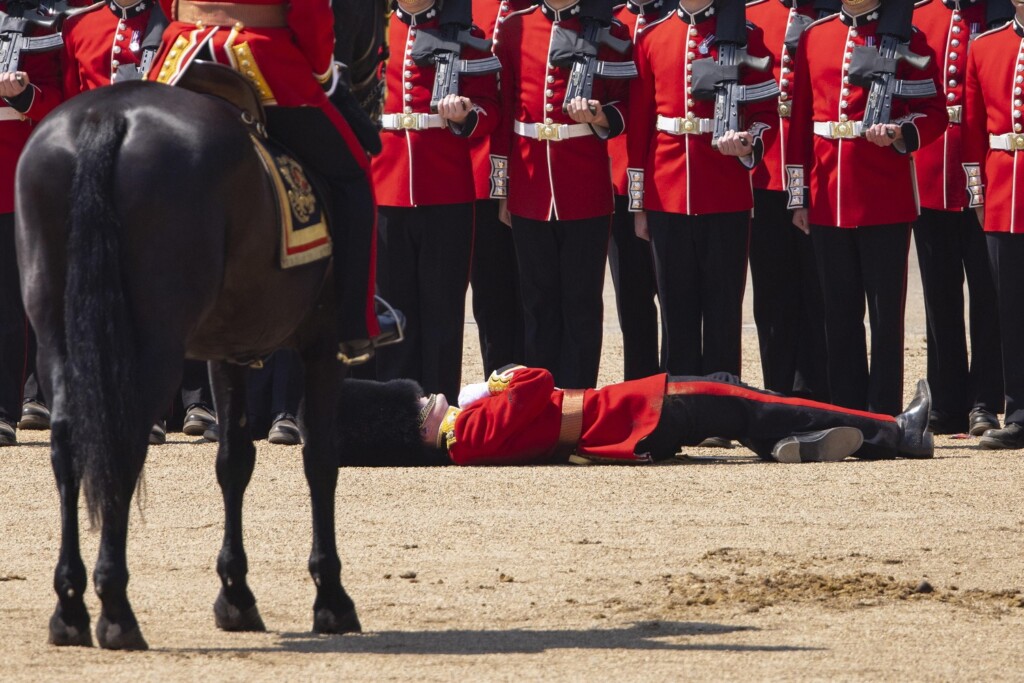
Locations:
{"points": [[442, 47], [18, 20], [719, 79], [578, 51], [876, 69]]}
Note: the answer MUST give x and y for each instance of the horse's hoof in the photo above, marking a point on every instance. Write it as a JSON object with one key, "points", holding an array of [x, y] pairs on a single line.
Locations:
{"points": [[230, 618], [327, 621], [114, 637], [63, 634]]}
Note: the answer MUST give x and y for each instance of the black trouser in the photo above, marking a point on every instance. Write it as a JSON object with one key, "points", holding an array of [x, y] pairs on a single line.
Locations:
{"points": [[701, 267], [497, 304], [949, 244], [788, 308], [15, 333], [561, 273], [855, 263], [308, 133], [698, 407], [195, 385], [423, 270], [274, 389], [632, 269], [1006, 252]]}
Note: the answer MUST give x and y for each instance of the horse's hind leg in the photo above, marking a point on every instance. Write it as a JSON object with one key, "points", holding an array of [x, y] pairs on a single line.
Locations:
{"points": [[117, 628], [333, 611], [235, 608], [69, 624]]}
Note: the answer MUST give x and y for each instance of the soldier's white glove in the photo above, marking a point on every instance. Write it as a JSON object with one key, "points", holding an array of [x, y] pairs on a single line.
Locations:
{"points": [[472, 393]]}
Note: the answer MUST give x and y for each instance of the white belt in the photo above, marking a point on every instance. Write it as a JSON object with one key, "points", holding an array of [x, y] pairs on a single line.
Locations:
{"points": [[676, 125], [836, 130], [955, 112], [411, 121], [1008, 142], [11, 114], [553, 132]]}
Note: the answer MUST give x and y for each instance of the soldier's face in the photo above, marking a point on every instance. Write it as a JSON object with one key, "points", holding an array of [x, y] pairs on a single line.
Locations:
{"points": [[436, 405]]}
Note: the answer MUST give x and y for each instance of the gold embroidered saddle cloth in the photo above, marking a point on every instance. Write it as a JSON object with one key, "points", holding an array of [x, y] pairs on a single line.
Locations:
{"points": [[304, 234]]}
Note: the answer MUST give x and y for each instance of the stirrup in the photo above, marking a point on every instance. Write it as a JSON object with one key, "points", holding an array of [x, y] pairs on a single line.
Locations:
{"points": [[389, 334]]}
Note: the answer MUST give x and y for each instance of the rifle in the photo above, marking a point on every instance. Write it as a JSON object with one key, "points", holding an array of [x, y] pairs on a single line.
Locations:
{"points": [[16, 22], [877, 68], [720, 78], [578, 51], [442, 47]]}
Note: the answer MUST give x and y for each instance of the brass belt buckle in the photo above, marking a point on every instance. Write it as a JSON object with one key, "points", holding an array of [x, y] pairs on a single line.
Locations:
{"points": [[690, 126], [409, 122], [1017, 143], [548, 131], [842, 129], [954, 113], [784, 110]]}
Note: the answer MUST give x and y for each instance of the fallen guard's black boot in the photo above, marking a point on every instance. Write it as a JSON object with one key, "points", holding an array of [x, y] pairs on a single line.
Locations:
{"points": [[915, 439]]}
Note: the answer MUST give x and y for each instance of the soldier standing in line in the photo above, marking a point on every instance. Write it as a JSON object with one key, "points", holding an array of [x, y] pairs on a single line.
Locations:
{"points": [[855, 192], [497, 303], [26, 95], [559, 182], [691, 194], [788, 308], [426, 191], [629, 257], [950, 241], [993, 146]]}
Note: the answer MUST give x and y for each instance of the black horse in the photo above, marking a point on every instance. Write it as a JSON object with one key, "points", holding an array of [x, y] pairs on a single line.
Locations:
{"points": [[147, 233]]}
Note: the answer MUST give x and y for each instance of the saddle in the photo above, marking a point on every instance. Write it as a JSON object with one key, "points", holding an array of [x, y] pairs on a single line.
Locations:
{"points": [[302, 215]]}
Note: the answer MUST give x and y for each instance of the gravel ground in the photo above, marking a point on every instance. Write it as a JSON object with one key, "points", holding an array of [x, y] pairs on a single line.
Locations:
{"points": [[713, 567]]}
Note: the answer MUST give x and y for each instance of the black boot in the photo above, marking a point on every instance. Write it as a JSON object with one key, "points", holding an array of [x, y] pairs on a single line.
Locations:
{"points": [[1010, 437], [915, 439]]}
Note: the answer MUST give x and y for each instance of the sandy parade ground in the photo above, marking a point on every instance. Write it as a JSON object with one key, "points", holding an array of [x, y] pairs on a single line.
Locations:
{"points": [[714, 567]]}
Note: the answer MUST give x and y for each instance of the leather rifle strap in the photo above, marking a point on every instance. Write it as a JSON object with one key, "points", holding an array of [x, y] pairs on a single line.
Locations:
{"points": [[572, 422]]}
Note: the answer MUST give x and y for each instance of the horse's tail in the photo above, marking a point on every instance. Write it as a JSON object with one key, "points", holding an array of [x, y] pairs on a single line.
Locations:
{"points": [[102, 360]]}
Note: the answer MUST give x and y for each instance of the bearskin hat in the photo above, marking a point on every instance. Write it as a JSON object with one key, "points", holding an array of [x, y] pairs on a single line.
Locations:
{"points": [[378, 425]]}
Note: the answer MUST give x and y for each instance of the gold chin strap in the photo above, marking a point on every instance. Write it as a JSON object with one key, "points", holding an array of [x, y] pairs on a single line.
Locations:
{"points": [[446, 432]]}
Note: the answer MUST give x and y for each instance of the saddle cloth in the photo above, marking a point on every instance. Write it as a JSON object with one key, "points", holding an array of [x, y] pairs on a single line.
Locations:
{"points": [[304, 234]]}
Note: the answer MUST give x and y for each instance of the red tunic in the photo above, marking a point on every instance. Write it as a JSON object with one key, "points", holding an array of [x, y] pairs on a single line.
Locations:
{"points": [[993, 106], [430, 166], [635, 19], [287, 64], [679, 173], [98, 42], [853, 182], [774, 18], [43, 69], [948, 32], [520, 425], [489, 14], [567, 179]]}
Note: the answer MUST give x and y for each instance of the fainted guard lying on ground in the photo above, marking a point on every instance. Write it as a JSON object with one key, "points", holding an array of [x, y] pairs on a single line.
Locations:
{"points": [[519, 417]]}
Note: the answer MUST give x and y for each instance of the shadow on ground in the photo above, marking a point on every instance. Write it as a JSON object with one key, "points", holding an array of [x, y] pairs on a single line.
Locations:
{"points": [[640, 636]]}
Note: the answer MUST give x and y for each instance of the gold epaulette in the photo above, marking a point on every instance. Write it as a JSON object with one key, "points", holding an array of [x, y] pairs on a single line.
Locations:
{"points": [[498, 383]]}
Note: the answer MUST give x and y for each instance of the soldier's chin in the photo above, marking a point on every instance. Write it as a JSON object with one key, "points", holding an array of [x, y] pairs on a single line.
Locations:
{"points": [[855, 4]]}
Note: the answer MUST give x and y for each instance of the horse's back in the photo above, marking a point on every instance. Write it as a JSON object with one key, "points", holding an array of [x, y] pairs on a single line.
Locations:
{"points": [[197, 221]]}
